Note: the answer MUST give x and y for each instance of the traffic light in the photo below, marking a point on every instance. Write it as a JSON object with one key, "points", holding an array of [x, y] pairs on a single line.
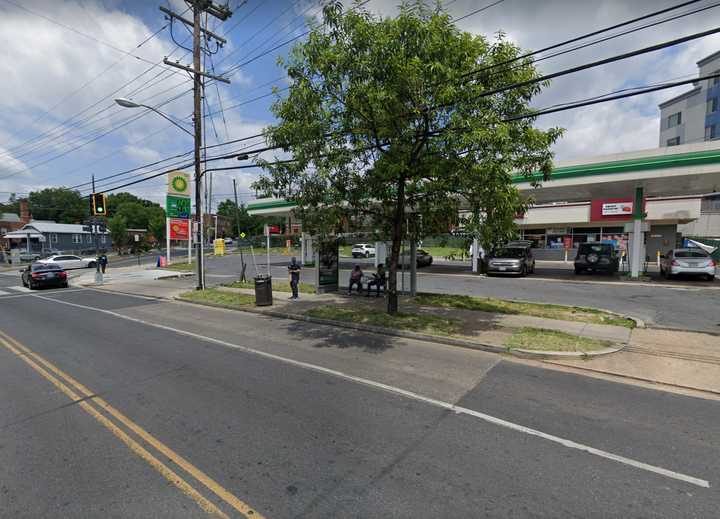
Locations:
{"points": [[99, 205]]}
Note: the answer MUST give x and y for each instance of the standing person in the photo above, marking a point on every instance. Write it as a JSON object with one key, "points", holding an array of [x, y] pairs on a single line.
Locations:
{"points": [[355, 279], [294, 272], [377, 281], [103, 262]]}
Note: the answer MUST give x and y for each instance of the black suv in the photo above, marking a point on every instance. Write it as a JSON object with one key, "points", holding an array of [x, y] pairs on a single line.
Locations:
{"points": [[596, 257]]}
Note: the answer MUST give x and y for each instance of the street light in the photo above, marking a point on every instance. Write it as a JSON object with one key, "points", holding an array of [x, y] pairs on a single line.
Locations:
{"points": [[128, 103]]}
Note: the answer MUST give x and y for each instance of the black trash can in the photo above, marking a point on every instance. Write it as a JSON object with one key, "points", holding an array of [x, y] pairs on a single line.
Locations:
{"points": [[263, 291]]}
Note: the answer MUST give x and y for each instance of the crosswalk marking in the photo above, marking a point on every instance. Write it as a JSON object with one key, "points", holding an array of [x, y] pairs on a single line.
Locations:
{"points": [[6, 291]]}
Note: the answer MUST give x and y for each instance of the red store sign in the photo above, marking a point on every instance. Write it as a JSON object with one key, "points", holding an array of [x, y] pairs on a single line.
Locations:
{"points": [[611, 209]]}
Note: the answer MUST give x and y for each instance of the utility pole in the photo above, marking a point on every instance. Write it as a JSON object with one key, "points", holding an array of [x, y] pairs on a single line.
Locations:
{"points": [[94, 226], [237, 220], [222, 13]]}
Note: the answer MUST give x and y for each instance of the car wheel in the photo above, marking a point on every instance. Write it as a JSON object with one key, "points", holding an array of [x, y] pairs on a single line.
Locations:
{"points": [[578, 271], [91, 265], [367, 254], [710, 277], [64, 285], [31, 285]]}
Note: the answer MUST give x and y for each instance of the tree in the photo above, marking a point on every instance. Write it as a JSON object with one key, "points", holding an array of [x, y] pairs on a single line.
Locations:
{"points": [[11, 206], [156, 227], [389, 127], [59, 204], [118, 231], [249, 224]]}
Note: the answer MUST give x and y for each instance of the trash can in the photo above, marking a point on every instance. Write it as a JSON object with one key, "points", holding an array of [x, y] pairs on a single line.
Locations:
{"points": [[263, 291]]}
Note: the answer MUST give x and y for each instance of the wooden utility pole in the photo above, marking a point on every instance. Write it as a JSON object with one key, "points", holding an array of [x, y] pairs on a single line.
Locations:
{"points": [[222, 13]]}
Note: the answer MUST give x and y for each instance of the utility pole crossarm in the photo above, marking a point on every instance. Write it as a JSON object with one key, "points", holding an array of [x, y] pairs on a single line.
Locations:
{"points": [[193, 71], [222, 41]]}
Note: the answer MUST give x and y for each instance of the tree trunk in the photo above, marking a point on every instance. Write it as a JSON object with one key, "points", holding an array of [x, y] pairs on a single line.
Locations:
{"points": [[397, 235]]}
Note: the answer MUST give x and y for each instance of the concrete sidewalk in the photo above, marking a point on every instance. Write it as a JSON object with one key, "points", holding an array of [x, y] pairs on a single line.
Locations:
{"points": [[684, 359], [132, 274]]}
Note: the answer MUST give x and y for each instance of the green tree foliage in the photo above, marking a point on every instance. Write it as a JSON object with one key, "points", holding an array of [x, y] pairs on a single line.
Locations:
{"points": [[156, 227], [250, 225], [389, 128], [11, 206], [117, 225], [137, 212], [59, 204]]}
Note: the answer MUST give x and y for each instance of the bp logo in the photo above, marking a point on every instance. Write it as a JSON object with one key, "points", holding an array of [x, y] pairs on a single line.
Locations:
{"points": [[178, 183]]}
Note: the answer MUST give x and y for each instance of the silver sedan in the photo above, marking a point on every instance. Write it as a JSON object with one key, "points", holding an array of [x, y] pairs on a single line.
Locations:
{"points": [[695, 262]]}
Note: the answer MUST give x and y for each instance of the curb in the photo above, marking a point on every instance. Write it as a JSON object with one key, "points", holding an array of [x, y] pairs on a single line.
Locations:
{"points": [[449, 341]]}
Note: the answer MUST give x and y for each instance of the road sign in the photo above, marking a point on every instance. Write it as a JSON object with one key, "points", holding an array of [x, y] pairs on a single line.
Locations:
{"points": [[242, 235], [179, 229], [178, 183], [177, 206]]}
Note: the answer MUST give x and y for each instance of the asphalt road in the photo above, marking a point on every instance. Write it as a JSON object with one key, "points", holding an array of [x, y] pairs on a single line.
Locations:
{"points": [[176, 410], [690, 305]]}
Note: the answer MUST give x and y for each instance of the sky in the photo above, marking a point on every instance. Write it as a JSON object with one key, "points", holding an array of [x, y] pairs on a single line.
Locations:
{"points": [[66, 60]]}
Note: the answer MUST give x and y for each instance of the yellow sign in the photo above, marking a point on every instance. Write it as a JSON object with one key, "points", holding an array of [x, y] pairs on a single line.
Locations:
{"points": [[219, 247], [178, 183]]}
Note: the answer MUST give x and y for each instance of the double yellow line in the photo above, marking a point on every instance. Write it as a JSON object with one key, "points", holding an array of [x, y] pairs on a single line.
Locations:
{"points": [[99, 409]]}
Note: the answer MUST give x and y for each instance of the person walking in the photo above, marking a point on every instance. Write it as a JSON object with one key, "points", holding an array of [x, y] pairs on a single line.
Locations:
{"points": [[377, 281], [356, 279], [103, 262], [294, 273]]}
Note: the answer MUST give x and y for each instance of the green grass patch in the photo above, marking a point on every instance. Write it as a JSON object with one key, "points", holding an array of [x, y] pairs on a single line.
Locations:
{"points": [[500, 306], [277, 286], [212, 295], [446, 252], [429, 324], [551, 340]]}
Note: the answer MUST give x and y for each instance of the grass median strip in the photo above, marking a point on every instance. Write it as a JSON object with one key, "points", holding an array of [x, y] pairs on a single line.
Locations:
{"points": [[552, 340], [277, 286], [500, 306], [214, 296], [411, 322]]}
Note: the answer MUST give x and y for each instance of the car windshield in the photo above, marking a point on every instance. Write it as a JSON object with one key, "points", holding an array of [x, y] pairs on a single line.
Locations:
{"points": [[691, 254], [40, 266], [358, 246], [508, 252], [599, 248]]}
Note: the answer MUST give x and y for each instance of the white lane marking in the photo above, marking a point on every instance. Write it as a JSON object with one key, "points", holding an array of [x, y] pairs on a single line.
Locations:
{"points": [[18, 288], [3, 293], [414, 396], [28, 293]]}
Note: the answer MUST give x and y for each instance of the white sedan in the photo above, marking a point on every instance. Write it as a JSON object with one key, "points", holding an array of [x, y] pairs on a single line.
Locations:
{"points": [[68, 261]]}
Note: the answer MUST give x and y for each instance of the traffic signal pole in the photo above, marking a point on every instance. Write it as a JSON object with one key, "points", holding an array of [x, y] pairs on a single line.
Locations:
{"points": [[94, 226]]}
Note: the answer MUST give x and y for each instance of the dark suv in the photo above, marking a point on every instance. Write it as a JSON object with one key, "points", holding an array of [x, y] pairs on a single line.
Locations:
{"points": [[596, 257]]}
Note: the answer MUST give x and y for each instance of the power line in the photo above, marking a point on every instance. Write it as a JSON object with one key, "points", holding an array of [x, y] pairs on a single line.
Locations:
{"points": [[476, 11]]}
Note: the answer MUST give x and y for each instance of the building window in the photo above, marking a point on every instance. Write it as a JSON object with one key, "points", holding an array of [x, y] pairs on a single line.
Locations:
{"points": [[77, 238], [102, 238], [709, 132], [89, 238], [53, 238], [712, 105], [673, 142], [674, 119]]}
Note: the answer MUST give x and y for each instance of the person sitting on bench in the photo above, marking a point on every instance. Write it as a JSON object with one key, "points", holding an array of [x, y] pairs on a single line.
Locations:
{"points": [[377, 281], [355, 279]]}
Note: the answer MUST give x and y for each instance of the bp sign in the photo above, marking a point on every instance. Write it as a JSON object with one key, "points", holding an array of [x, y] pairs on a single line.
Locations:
{"points": [[178, 207], [178, 183]]}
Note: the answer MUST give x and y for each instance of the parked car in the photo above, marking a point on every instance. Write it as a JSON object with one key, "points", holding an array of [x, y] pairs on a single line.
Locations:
{"points": [[228, 241], [422, 258], [512, 258], [68, 261], [362, 250], [596, 257], [39, 275], [695, 262]]}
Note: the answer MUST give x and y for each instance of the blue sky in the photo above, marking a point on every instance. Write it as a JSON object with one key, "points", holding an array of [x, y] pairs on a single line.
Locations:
{"points": [[59, 125]]}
